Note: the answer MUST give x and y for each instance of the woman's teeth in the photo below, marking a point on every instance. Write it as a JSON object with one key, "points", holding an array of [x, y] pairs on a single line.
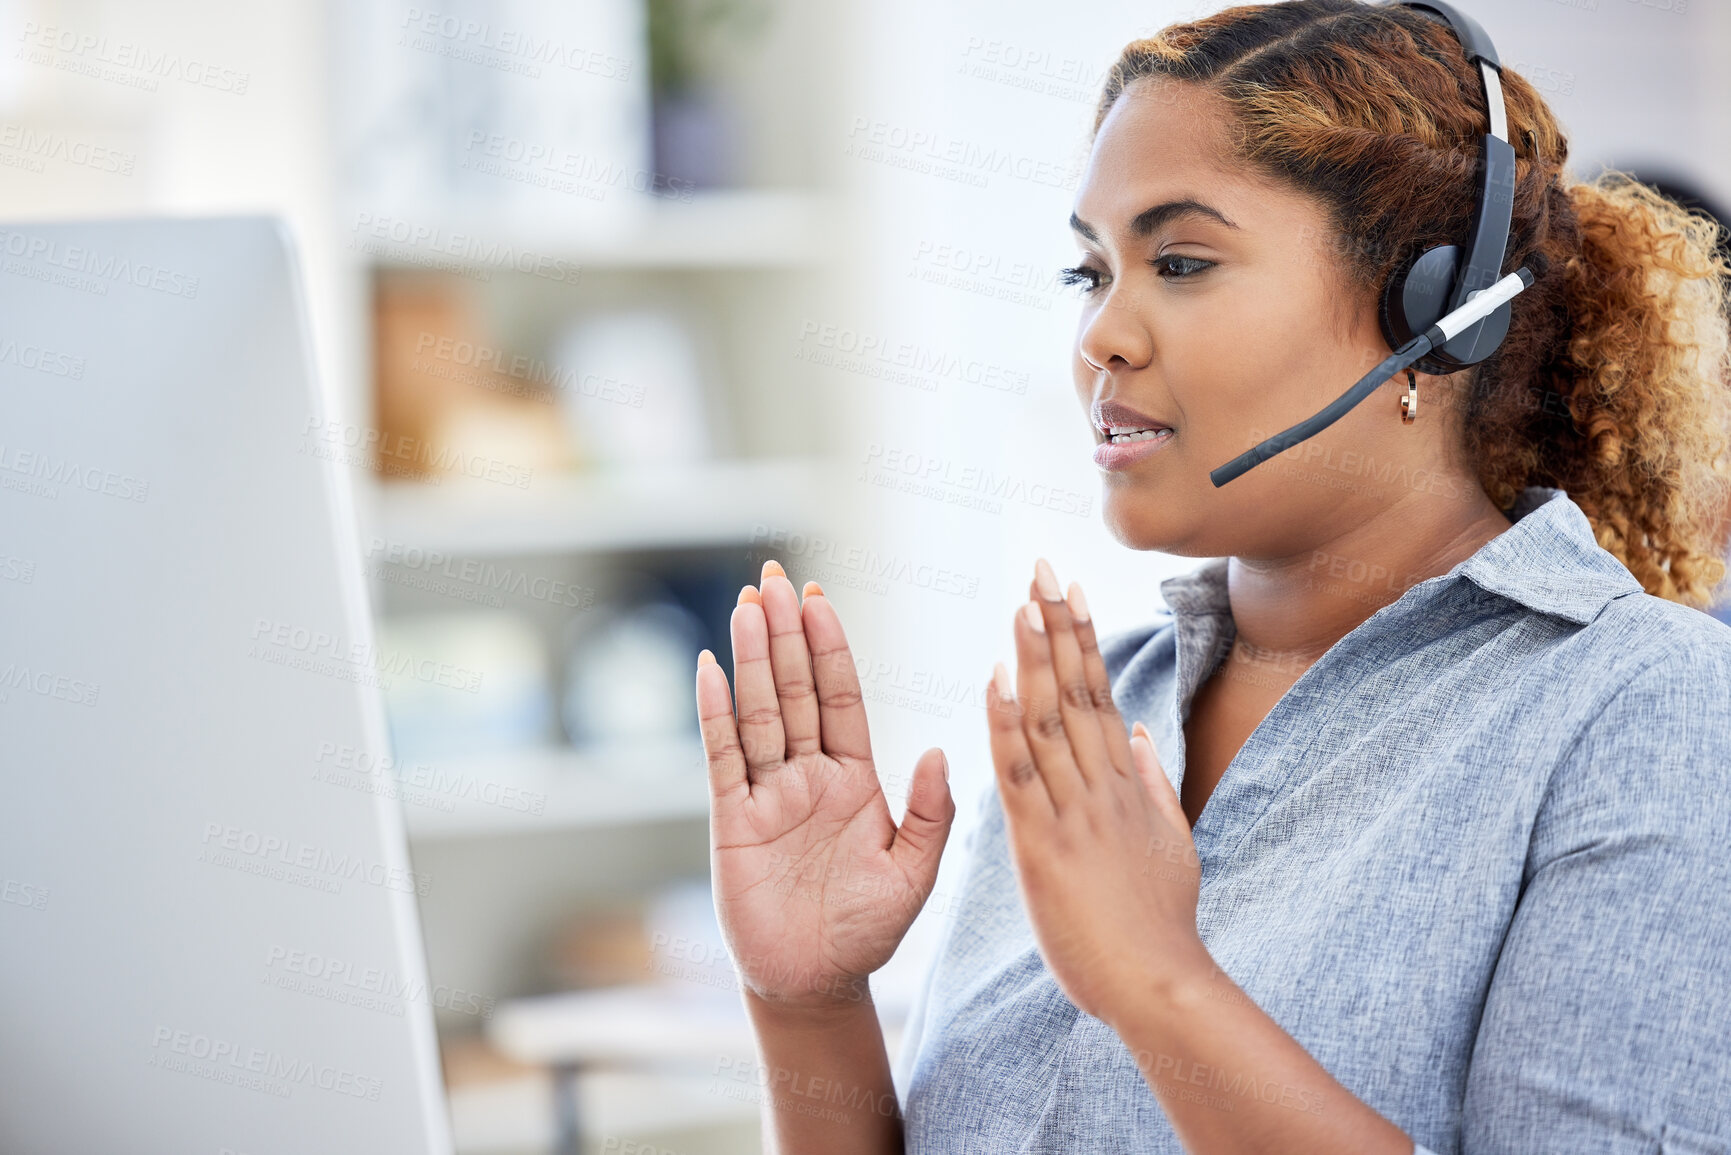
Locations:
{"points": [[1139, 435]]}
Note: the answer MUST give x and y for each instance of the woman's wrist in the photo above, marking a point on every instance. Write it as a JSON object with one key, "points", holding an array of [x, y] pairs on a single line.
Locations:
{"points": [[812, 1011], [826, 1075], [1150, 999]]}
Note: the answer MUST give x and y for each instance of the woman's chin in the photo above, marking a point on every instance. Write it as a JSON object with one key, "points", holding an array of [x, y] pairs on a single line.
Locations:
{"points": [[1143, 522]]}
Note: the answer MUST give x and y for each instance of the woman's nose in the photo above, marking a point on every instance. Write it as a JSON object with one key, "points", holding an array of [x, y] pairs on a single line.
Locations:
{"points": [[1115, 331]]}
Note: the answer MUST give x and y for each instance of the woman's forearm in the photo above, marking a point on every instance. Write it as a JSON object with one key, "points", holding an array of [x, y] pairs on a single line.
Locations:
{"points": [[1232, 1081], [825, 1080]]}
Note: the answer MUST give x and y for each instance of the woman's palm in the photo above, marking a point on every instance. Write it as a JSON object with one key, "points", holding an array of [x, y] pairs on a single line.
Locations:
{"points": [[814, 883]]}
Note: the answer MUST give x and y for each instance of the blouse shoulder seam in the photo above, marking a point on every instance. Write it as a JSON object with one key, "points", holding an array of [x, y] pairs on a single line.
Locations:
{"points": [[1596, 712]]}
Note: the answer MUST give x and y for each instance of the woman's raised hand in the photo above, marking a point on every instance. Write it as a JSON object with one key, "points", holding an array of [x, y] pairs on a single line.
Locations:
{"points": [[1103, 851], [815, 885]]}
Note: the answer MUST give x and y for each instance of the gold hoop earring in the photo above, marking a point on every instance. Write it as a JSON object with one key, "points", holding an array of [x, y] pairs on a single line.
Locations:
{"points": [[1409, 403]]}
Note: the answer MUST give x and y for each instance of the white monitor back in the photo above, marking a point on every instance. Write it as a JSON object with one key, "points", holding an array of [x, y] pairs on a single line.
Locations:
{"points": [[209, 939]]}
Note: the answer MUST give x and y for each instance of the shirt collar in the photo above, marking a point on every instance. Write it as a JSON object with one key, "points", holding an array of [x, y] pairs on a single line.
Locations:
{"points": [[1548, 561]]}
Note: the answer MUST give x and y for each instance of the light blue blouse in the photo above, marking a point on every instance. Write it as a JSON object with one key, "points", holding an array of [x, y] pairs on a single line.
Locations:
{"points": [[1477, 861]]}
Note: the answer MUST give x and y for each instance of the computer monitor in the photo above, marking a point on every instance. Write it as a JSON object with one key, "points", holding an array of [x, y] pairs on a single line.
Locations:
{"points": [[209, 939]]}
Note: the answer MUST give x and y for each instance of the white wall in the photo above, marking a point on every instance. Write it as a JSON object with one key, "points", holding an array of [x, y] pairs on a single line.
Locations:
{"points": [[229, 116]]}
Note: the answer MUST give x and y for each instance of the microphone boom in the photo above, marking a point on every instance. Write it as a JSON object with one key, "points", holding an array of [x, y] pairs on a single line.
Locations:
{"points": [[1476, 308]]}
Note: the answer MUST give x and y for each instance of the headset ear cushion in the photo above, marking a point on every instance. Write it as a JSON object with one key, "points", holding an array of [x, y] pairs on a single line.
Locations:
{"points": [[1415, 296], [1390, 313]]}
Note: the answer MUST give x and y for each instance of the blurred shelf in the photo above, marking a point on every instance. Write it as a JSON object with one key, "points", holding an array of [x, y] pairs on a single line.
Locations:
{"points": [[719, 503], [655, 1111], [646, 1024], [715, 229], [558, 788]]}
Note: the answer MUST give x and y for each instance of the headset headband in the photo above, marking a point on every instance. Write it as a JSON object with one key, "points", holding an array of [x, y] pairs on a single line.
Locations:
{"points": [[1490, 232]]}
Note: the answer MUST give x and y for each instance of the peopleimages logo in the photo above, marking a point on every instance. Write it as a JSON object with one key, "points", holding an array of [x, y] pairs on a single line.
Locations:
{"points": [[461, 36], [347, 444], [274, 639], [424, 782], [302, 863], [376, 234], [123, 61], [534, 371], [53, 362], [971, 486], [936, 153], [257, 1068], [559, 169], [365, 987], [862, 349], [834, 558], [103, 267], [23, 894], [42, 474], [38, 147], [35, 680]]}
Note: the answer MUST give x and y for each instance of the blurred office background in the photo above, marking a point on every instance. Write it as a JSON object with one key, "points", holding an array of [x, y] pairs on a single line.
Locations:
{"points": [[616, 299]]}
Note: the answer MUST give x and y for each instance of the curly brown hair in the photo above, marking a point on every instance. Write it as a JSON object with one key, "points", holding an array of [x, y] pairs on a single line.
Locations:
{"points": [[1614, 382]]}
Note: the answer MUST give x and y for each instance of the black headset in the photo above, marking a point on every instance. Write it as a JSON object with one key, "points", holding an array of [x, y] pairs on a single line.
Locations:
{"points": [[1433, 283], [1425, 313]]}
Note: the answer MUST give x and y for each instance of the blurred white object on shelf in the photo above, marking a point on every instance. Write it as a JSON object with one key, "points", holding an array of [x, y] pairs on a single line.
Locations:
{"points": [[650, 1024], [464, 683], [685, 943], [628, 677], [640, 393], [518, 110]]}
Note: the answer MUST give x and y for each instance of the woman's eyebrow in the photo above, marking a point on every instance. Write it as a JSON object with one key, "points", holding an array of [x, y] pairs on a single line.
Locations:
{"points": [[1152, 218]]}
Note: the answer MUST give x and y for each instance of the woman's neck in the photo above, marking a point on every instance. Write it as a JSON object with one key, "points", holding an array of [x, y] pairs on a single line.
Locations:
{"points": [[1299, 606]]}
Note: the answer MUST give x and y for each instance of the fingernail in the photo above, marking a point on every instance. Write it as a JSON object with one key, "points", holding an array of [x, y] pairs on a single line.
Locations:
{"points": [[749, 594], [1046, 580], [812, 590], [1001, 681], [1031, 614], [945, 759], [772, 568], [1078, 603], [705, 658]]}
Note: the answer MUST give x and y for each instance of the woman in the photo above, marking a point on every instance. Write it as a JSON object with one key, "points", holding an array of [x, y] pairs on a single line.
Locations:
{"points": [[1416, 839]]}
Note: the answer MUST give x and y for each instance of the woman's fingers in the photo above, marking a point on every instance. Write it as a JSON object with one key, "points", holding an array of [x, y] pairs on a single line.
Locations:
{"points": [[1100, 683], [1153, 776], [845, 733], [758, 709], [790, 662], [727, 775], [1174, 843], [1042, 715], [1075, 693], [1020, 783], [918, 844]]}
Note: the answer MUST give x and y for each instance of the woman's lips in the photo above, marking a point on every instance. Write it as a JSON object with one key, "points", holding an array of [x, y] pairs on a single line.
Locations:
{"points": [[1121, 455]]}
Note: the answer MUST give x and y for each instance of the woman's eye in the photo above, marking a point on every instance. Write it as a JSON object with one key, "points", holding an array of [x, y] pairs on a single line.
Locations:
{"points": [[1082, 275], [1185, 266], [1172, 267]]}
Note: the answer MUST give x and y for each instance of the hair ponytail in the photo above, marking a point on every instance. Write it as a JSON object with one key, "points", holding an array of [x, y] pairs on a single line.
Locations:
{"points": [[1629, 407]]}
